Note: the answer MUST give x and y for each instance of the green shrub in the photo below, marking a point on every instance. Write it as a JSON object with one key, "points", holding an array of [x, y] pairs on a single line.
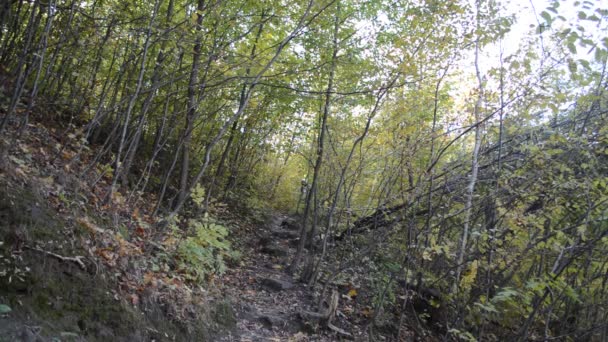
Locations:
{"points": [[202, 254]]}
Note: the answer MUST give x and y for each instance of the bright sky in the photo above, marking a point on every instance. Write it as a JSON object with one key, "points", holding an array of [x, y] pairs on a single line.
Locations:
{"points": [[528, 17]]}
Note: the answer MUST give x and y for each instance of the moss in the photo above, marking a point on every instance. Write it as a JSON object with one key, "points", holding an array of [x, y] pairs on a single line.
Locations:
{"points": [[23, 212], [223, 314]]}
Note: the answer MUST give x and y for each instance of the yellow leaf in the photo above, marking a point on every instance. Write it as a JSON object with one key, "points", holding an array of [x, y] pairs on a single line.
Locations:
{"points": [[468, 277]]}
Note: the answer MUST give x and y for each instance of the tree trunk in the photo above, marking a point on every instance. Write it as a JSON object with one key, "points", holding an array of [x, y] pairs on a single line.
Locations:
{"points": [[239, 112], [192, 103], [315, 177], [474, 162]]}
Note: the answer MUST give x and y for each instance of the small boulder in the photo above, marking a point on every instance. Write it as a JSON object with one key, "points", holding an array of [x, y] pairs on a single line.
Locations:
{"points": [[269, 321], [274, 250], [265, 240], [285, 234], [276, 284], [290, 224]]}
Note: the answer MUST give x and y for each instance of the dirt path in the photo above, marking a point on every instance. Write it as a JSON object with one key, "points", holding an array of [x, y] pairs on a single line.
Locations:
{"points": [[266, 300]]}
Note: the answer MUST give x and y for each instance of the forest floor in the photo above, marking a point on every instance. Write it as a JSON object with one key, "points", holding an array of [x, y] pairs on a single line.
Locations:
{"points": [[267, 301], [270, 305], [74, 267]]}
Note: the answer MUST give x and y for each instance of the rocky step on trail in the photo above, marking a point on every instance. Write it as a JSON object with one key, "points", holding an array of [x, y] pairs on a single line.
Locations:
{"points": [[268, 303]]}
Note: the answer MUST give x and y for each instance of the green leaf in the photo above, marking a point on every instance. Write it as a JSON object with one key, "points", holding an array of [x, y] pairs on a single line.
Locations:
{"points": [[572, 66], [489, 307], [546, 16], [599, 55], [4, 309]]}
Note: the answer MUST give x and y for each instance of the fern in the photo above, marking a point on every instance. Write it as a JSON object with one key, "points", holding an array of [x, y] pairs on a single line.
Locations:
{"points": [[202, 254]]}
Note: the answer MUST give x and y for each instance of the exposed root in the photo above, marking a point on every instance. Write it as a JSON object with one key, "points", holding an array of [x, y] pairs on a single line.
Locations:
{"points": [[328, 315], [76, 259]]}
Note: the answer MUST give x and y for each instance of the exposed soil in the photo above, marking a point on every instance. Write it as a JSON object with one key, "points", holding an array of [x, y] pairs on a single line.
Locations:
{"points": [[269, 301]]}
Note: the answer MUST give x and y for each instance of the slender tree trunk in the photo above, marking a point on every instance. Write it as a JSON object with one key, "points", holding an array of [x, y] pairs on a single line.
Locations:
{"points": [[334, 203], [42, 51], [474, 162], [192, 103], [321, 142], [155, 80], [131, 105], [233, 130], [23, 67], [13, 32], [239, 112], [275, 184]]}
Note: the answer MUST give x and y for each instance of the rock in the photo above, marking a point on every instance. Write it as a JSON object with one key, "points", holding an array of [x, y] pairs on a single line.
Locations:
{"points": [[295, 242], [27, 334], [276, 284], [269, 321], [265, 240], [290, 224], [274, 250], [285, 234]]}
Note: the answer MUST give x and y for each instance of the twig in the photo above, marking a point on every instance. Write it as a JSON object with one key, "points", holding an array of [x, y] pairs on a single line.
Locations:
{"points": [[342, 332], [76, 259]]}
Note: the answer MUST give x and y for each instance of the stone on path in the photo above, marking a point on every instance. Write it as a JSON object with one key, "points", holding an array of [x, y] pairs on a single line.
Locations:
{"points": [[274, 250], [269, 321], [285, 234], [290, 224], [276, 284]]}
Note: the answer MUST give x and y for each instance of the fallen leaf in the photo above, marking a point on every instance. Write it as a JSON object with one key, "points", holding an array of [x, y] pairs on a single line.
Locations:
{"points": [[16, 160], [298, 337], [66, 155], [48, 181], [19, 171], [366, 311], [140, 231], [134, 299], [148, 277]]}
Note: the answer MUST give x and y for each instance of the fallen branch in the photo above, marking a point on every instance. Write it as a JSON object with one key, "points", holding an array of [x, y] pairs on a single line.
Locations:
{"points": [[77, 259]]}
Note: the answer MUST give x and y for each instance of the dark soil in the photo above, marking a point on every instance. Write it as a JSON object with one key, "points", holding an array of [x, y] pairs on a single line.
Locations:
{"points": [[271, 305]]}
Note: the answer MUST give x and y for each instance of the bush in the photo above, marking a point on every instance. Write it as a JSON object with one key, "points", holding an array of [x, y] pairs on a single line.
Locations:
{"points": [[202, 254]]}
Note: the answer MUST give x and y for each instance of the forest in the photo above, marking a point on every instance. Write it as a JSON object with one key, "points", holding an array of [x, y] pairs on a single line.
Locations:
{"points": [[315, 170]]}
